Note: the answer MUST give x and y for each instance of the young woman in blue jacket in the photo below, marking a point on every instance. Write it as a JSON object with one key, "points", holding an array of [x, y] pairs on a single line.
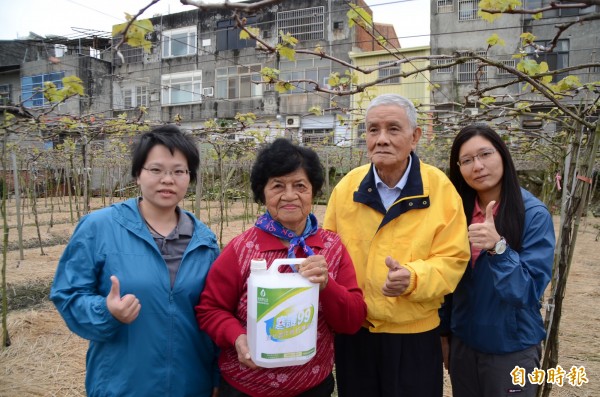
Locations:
{"points": [[494, 316], [130, 276]]}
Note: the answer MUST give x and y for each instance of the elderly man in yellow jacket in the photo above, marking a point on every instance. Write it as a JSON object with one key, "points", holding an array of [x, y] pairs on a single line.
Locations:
{"points": [[404, 226]]}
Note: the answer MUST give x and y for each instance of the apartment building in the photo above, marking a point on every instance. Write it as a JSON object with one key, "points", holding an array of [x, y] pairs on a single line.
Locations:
{"points": [[456, 28], [199, 69], [27, 64]]}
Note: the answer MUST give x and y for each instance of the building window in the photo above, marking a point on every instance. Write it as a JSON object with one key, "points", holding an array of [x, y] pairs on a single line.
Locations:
{"points": [[511, 63], [389, 71], [5, 94], [134, 97], [127, 99], [317, 70], [557, 59], [179, 42], [304, 24], [130, 54], [32, 88], [179, 88], [238, 82], [441, 62], [228, 35], [445, 6], [317, 136], [472, 70], [467, 10], [569, 12], [141, 95]]}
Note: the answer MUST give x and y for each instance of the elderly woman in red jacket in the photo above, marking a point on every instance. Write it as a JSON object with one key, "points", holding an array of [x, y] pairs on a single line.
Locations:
{"points": [[285, 178]]}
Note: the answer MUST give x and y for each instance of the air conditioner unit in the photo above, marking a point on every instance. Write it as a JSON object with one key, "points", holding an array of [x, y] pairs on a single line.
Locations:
{"points": [[292, 121], [208, 92]]}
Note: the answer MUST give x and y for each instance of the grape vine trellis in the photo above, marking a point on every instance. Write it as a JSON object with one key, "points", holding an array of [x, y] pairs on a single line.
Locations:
{"points": [[89, 143]]}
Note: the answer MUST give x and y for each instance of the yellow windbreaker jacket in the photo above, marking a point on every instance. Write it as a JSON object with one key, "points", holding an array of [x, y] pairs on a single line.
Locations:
{"points": [[425, 230]]}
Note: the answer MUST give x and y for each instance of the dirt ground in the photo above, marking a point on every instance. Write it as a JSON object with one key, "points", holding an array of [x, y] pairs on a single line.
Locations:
{"points": [[46, 359]]}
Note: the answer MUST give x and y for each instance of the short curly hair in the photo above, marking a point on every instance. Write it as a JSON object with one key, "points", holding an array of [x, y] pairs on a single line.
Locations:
{"points": [[282, 157]]}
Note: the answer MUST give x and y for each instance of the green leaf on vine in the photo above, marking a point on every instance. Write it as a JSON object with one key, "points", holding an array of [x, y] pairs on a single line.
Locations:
{"points": [[244, 33], [136, 34], [495, 40]]}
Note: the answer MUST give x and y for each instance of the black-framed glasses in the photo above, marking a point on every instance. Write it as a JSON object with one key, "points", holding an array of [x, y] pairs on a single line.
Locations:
{"points": [[470, 160], [159, 172]]}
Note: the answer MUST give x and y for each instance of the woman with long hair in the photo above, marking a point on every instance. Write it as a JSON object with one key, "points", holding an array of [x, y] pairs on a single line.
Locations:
{"points": [[493, 317]]}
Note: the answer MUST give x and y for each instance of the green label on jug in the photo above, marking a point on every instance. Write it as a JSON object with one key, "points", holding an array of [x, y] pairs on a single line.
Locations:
{"points": [[269, 298]]}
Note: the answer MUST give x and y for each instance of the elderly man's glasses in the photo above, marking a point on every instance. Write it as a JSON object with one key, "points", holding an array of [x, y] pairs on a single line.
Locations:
{"points": [[159, 172], [468, 161]]}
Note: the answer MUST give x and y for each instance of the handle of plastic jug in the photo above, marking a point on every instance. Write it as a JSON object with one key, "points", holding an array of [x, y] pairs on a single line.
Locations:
{"points": [[284, 261]]}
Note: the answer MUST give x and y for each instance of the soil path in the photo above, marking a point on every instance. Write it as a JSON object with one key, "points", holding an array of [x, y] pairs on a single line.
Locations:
{"points": [[46, 359]]}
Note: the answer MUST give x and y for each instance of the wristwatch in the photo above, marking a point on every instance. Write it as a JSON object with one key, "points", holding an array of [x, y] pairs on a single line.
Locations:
{"points": [[499, 247]]}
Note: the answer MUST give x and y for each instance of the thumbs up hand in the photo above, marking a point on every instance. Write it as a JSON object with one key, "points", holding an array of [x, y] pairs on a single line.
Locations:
{"points": [[484, 235], [125, 309], [397, 280]]}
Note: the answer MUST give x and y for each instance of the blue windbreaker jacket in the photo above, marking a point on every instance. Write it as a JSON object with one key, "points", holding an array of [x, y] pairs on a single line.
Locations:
{"points": [[162, 352], [496, 307]]}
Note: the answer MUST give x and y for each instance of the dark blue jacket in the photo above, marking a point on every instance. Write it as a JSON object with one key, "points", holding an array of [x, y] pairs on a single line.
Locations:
{"points": [[162, 352], [496, 307]]}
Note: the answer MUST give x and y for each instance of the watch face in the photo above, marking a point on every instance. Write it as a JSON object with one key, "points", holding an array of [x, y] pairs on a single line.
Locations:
{"points": [[500, 246]]}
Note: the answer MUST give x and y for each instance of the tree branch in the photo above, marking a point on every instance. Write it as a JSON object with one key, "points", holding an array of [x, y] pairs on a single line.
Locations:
{"points": [[131, 21]]}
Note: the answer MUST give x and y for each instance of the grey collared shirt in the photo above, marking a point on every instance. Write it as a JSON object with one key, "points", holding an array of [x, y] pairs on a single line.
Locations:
{"points": [[174, 245]]}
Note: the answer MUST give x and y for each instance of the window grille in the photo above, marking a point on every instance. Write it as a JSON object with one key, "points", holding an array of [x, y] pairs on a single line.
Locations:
{"points": [[467, 10], [130, 54], [303, 24], [445, 6], [472, 70], [317, 136], [389, 71], [507, 62], [444, 62]]}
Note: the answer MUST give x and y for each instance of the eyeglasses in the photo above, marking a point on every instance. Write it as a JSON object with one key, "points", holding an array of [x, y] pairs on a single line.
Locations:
{"points": [[468, 161], [158, 172]]}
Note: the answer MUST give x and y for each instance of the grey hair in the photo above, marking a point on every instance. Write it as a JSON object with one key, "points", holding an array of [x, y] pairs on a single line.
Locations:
{"points": [[396, 100]]}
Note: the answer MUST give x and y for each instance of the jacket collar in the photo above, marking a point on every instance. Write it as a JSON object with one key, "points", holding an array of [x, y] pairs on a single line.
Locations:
{"points": [[413, 195], [128, 215]]}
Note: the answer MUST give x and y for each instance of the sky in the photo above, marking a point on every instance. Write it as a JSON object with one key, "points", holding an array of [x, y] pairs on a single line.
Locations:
{"points": [[58, 17]]}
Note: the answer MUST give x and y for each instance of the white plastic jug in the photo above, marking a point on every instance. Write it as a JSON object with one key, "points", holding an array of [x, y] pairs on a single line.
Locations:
{"points": [[282, 315]]}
